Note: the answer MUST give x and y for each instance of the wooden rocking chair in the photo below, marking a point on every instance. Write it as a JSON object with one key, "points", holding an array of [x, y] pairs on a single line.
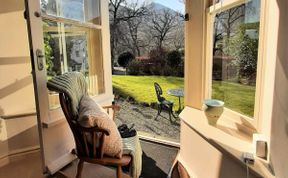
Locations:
{"points": [[87, 152]]}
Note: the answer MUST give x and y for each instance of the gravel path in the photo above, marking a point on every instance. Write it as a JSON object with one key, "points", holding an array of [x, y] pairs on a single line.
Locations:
{"points": [[144, 120]]}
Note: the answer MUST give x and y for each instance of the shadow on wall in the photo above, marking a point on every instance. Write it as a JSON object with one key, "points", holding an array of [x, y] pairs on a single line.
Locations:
{"points": [[14, 60], [11, 6], [27, 139], [1, 111], [3, 132], [279, 123], [17, 85], [229, 166]]}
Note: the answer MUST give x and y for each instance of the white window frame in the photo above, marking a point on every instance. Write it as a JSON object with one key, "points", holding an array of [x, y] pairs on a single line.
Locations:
{"points": [[104, 34], [103, 98], [251, 124]]}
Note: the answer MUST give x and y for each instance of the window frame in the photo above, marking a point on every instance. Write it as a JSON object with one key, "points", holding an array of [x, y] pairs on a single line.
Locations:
{"points": [[254, 122], [88, 26], [107, 96]]}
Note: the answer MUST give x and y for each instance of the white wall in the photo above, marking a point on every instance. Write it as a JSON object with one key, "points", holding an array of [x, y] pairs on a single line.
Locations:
{"points": [[16, 87], [279, 124], [274, 99]]}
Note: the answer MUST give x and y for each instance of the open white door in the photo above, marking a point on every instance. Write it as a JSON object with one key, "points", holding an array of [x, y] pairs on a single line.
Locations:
{"points": [[65, 36], [56, 141]]}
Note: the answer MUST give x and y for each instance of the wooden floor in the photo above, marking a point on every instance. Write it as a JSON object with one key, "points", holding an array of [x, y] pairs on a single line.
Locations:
{"points": [[29, 166], [157, 160], [23, 166], [89, 171]]}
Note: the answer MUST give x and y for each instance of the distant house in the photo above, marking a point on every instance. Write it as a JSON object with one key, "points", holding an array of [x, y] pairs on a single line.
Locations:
{"points": [[223, 68], [78, 55], [142, 58]]}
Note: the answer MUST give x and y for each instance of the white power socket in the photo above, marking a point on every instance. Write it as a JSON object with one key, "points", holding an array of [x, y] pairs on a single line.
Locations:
{"points": [[248, 158]]}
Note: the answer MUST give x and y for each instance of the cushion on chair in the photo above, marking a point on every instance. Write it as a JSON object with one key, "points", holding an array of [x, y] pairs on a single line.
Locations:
{"points": [[92, 114]]}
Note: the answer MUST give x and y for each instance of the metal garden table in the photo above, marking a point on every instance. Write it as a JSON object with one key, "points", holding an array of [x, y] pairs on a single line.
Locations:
{"points": [[178, 92]]}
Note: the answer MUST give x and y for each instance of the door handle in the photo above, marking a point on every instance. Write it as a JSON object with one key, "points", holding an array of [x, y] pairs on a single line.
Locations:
{"points": [[40, 58]]}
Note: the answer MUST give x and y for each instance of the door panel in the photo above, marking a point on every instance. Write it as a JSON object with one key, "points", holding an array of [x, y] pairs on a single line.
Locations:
{"points": [[56, 140]]}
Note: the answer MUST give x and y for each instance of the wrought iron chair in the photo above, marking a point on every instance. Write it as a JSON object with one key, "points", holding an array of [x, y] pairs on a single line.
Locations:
{"points": [[162, 103], [91, 153]]}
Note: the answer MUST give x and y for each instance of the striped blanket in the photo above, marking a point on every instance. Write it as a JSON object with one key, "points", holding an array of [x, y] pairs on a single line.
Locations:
{"points": [[131, 146], [73, 84]]}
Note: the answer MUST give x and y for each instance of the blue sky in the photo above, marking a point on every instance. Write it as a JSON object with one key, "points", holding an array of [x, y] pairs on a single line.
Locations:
{"points": [[173, 4]]}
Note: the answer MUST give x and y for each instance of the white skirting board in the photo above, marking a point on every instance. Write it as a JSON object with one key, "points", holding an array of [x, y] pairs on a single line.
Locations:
{"points": [[4, 161]]}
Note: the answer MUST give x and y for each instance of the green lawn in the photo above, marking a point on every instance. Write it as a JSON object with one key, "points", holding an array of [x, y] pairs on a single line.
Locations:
{"points": [[142, 87], [238, 97]]}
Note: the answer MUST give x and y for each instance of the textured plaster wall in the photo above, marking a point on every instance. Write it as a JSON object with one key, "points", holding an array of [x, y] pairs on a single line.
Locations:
{"points": [[16, 86], [279, 124]]}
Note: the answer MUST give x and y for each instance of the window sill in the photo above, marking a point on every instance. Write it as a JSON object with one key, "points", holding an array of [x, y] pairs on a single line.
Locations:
{"points": [[224, 137]]}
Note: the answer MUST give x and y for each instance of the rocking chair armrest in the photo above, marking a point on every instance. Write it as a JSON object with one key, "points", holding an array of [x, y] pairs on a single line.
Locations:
{"points": [[115, 107], [93, 129]]}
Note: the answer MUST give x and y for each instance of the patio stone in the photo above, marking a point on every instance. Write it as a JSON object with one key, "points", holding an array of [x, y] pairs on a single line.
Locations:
{"points": [[144, 119]]}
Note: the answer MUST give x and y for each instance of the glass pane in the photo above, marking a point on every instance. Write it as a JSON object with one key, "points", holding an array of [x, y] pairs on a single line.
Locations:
{"points": [[235, 52], [69, 48], [81, 10]]}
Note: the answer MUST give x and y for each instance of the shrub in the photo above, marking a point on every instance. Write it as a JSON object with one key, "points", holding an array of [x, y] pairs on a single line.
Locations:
{"points": [[134, 68], [156, 69], [146, 68], [168, 71], [174, 58], [158, 55], [125, 58], [180, 69]]}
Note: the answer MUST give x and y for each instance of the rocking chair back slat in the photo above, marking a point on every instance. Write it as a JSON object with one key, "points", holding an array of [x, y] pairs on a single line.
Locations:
{"points": [[102, 139], [85, 144], [95, 136]]}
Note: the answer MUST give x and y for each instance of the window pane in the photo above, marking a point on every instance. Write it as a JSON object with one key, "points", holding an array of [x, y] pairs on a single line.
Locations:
{"points": [[81, 10], [235, 52], [69, 48]]}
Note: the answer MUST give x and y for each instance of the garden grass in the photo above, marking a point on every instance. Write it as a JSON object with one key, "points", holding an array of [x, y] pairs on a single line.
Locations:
{"points": [[237, 97], [141, 88]]}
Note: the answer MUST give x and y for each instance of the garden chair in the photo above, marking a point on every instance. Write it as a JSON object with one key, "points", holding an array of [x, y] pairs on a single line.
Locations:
{"points": [[162, 103]]}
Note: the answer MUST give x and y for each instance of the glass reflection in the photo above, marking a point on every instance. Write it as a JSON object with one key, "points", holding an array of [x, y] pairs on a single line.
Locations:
{"points": [[81, 10]]}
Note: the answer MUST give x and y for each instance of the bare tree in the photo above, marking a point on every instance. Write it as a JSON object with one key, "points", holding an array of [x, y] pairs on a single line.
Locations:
{"points": [[178, 36], [133, 26], [226, 22], [162, 23], [122, 11]]}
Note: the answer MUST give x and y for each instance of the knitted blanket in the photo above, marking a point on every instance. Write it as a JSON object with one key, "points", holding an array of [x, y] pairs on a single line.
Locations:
{"points": [[131, 146], [72, 84]]}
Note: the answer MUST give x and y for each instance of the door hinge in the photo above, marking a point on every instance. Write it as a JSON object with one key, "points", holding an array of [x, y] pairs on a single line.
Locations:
{"points": [[25, 14], [186, 17]]}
